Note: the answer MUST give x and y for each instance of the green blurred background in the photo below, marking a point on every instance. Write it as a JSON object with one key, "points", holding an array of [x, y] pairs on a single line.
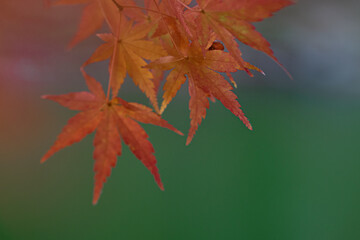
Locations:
{"points": [[296, 176]]}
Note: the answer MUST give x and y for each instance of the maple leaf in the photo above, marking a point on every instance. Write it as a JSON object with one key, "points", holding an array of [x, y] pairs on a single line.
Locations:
{"points": [[232, 19], [204, 81], [92, 17], [113, 120], [112, 8], [128, 57], [91, 20], [172, 17], [176, 8], [154, 12]]}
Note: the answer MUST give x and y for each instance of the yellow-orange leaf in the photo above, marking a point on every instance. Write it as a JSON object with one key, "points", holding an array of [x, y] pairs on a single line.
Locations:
{"points": [[129, 57]]}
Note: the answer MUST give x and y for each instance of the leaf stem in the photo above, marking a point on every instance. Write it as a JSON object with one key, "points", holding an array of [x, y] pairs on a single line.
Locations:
{"points": [[112, 66]]}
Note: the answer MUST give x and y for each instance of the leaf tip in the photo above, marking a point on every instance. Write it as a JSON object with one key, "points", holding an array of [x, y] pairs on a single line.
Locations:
{"points": [[163, 107], [157, 110], [188, 141], [177, 131], [158, 181], [180, 133], [44, 158], [96, 198]]}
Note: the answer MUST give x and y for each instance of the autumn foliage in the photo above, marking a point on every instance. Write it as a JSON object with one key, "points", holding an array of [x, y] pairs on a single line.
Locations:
{"points": [[171, 40]]}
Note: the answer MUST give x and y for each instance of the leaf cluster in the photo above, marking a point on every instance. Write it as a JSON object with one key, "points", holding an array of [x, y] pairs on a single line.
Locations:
{"points": [[171, 40]]}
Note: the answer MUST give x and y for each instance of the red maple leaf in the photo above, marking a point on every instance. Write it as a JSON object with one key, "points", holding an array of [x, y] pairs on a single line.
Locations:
{"points": [[113, 120], [204, 81], [230, 20]]}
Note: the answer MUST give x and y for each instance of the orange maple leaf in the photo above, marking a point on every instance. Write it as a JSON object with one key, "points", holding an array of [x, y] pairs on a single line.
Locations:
{"points": [[128, 57], [176, 8], [113, 120], [204, 81]]}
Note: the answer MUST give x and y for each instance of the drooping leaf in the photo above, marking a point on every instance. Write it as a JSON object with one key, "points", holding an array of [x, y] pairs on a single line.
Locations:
{"points": [[198, 104], [112, 120], [204, 81]]}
